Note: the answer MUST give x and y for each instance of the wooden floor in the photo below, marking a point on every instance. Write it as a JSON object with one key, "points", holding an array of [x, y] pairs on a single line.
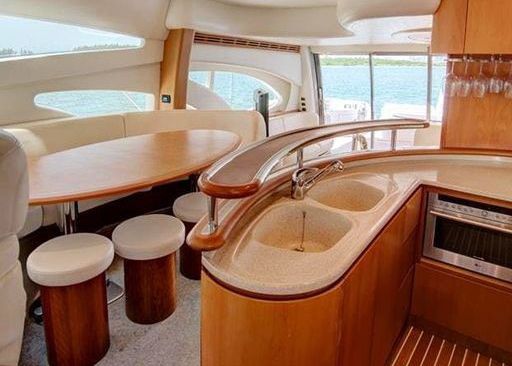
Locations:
{"points": [[420, 348]]}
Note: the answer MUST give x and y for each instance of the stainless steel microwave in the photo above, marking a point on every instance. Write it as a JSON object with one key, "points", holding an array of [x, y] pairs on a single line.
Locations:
{"points": [[470, 235]]}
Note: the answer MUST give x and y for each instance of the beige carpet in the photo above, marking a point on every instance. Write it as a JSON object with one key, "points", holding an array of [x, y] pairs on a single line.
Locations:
{"points": [[173, 342]]}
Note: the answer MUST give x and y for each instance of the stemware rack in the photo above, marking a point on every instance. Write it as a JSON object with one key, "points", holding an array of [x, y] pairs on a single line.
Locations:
{"points": [[479, 76]]}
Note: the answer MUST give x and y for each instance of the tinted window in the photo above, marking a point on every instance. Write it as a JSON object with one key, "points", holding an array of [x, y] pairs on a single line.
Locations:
{"points": [[25, 37], [95, 102]]}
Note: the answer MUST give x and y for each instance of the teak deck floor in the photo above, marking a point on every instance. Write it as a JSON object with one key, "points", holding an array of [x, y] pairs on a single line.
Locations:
{"points": [[421, 348]]}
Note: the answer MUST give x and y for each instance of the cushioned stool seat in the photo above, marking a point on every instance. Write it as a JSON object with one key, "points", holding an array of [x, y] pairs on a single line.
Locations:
{"points": [[190, 208], [71, 272], [148, 245]]}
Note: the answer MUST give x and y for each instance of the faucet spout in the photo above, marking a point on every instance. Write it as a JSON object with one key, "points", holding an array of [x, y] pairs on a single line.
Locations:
{"points": [[304, 179]]}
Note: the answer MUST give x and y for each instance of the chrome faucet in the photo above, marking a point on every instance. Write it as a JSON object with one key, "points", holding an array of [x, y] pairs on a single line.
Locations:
{"points": [[359, 142], [304, 179]]}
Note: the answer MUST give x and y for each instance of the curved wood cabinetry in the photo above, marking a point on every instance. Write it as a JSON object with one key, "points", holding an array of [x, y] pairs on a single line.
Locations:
{"points": [[240, 330], [355, 322]]}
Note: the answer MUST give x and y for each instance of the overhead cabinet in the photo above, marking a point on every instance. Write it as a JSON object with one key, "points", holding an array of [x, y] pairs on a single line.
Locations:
{"points": [[473, 27]]}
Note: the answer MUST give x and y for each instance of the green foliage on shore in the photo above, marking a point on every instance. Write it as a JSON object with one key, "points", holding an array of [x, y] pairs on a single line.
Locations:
{"points": [[363, 61]]}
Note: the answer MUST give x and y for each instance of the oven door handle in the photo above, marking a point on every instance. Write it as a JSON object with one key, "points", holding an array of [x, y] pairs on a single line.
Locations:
{"points": [[469, 221]]}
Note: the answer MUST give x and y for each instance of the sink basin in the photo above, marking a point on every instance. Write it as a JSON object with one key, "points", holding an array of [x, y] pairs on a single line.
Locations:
{"points": [[300, 227], [351, 194]]}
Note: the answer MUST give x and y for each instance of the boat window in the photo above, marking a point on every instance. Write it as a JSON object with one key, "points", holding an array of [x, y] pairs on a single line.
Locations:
{"points": [[236, 89], [346, 88], [82, 103], [380, 86], [21, 37]]}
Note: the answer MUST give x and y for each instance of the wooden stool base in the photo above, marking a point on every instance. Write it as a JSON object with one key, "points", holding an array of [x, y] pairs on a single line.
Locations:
{"points": [[150, 289], [76, 322], [190, 259]]}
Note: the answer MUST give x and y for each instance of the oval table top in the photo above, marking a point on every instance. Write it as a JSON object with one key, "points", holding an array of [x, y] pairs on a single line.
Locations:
{"points": [[125, 165]]}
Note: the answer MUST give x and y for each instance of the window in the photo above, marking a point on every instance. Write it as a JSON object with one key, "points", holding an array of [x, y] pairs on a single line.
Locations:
{"points": [[438, 75], [236, 89], [346, 88], [20, 37], [377, 86], [84, 103]]}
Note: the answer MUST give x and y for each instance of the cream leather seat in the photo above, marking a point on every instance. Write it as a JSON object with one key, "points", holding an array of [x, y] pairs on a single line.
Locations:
{"points": [[70, 259], [13, 206], [190, 208], [148, 237], [148, 245]]}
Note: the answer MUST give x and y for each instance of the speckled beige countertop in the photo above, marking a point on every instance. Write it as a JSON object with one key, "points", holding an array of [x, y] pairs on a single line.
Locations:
{"points": [[247, 264]]}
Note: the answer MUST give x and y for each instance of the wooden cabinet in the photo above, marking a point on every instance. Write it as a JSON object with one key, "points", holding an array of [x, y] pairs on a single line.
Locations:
{"points": [[377, 291], [356, 322], [473, 27], [396, 246], [241, 330], [469, 304], [449, 27], [358, 310], [489, 27]]}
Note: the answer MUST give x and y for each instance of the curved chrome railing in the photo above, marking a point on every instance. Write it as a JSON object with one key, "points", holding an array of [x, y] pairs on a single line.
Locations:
{"points": [[261, 158]]}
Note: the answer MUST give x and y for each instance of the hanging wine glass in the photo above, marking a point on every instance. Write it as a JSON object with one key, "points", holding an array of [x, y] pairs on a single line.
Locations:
{"points": [[507, 86], [480, 84], [464, 88], [451, 82], [495, 82]]}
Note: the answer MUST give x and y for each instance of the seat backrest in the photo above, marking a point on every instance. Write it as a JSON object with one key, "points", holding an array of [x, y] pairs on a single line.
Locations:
{"points": [[13, 198], [292, 121], [249, 125], [13, 185], [45, 137]]}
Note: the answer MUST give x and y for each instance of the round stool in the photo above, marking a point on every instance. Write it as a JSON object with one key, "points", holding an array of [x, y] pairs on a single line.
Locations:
{"points": [[70, 271], [148, 245], [190, 208]]}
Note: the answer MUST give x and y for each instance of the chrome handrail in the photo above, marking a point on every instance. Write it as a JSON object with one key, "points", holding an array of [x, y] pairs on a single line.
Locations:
{"points": [[298, 146]]}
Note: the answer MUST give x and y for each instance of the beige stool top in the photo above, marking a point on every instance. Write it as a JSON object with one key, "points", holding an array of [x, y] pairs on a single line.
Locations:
{"points": [[190, 207], [148, 237], [70, 259]]}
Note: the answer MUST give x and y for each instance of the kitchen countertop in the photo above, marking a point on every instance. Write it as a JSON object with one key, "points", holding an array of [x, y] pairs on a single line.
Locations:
{"points": [[262, 269]]}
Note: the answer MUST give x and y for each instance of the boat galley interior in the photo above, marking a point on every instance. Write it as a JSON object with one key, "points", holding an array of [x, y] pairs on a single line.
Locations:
{"points": [[256, 182]]}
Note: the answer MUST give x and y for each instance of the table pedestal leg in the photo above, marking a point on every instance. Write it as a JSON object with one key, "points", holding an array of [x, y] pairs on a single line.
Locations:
{"points": [[69, 225], [68, 217]]}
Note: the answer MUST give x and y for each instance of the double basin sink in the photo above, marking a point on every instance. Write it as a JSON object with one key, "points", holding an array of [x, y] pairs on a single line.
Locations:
{"points": [[323, 218]]}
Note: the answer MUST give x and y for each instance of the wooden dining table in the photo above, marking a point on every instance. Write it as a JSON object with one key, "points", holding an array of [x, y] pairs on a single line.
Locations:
{"points": [[122, 166]]}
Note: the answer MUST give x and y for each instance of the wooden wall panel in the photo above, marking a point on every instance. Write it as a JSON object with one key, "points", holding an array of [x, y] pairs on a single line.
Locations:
{"points": [[175, 67], [238, 330], [478, 123], [465, 306], [489, 27], [449, 27]]}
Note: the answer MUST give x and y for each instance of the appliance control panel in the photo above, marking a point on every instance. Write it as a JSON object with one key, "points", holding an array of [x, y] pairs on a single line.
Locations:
{"points": [[481, 213]]}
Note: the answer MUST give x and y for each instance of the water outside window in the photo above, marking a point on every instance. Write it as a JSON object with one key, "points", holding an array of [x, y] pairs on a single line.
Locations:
{"points": [[21, 37], [400, 85], [83, 103]]}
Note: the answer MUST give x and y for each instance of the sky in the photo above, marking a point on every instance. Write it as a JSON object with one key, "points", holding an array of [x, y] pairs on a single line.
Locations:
{"points": [[45, 37]]}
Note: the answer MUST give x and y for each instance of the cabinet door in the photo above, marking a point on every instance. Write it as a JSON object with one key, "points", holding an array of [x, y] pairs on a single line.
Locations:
{"points": [[358, 310], [449, 27], [394, 285], [489, 27]]}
